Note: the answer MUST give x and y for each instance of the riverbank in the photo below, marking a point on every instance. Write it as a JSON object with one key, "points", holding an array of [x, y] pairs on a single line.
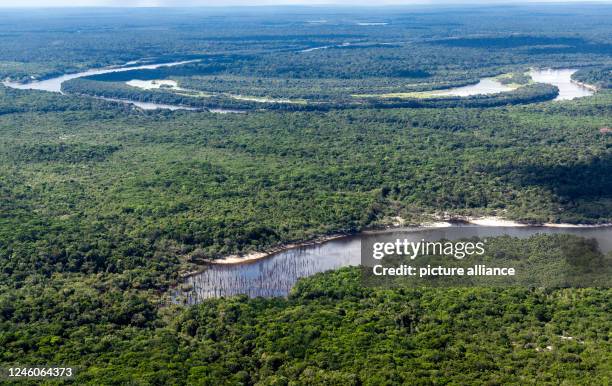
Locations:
{"points": [[495, 221], [398, 224], [276, 275], [54, 84], [253, 256], [585, 85]]}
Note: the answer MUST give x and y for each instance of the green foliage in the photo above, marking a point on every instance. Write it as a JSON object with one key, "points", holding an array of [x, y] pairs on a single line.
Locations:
{"points": [[103, 205], [600, 77], [166, 184], [69, 153], [331, 330]]}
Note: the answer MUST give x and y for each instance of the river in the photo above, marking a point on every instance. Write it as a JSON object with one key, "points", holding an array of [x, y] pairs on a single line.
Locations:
{"points": [[275, 275], [562, 78], [153, 105], [484, 86], [55, 84]]}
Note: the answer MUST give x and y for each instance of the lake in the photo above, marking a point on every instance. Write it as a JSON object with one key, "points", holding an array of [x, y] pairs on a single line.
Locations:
{"points": [[275, 275]]}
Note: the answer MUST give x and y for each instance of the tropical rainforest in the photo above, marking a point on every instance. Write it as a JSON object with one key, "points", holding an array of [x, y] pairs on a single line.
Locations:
{"points": [[306, 122]]}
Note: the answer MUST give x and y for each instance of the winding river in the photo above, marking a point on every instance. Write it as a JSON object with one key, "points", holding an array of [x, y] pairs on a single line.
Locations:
{"points": [[275, 275], [55, 84], [562, 78]]}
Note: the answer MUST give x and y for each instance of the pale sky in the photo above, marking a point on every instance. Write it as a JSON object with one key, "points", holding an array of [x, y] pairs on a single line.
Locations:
{"points": [[169, 3]]}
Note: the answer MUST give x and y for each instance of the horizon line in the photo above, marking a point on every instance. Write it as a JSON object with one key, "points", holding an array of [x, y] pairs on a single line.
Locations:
{"points": [[418, 3]]}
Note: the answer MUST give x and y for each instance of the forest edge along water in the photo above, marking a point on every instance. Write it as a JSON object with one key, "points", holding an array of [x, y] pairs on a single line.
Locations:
{"points": [[55, 84], [274, 273], [560, 78]]}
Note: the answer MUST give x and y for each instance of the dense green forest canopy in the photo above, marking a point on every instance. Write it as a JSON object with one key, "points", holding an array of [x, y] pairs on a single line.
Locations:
{"points": [[104, 205], [327, 59], [598, 76], [331, 330], [83, 173], [422, 40]]}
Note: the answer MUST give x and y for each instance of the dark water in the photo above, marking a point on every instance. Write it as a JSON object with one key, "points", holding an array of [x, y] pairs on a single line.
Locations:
{"points": [[276, 275]]}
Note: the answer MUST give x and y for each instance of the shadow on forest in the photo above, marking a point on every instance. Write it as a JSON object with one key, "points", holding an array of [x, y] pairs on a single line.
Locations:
{"points": [[510, 41], [534, 45], [576, 181]]}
